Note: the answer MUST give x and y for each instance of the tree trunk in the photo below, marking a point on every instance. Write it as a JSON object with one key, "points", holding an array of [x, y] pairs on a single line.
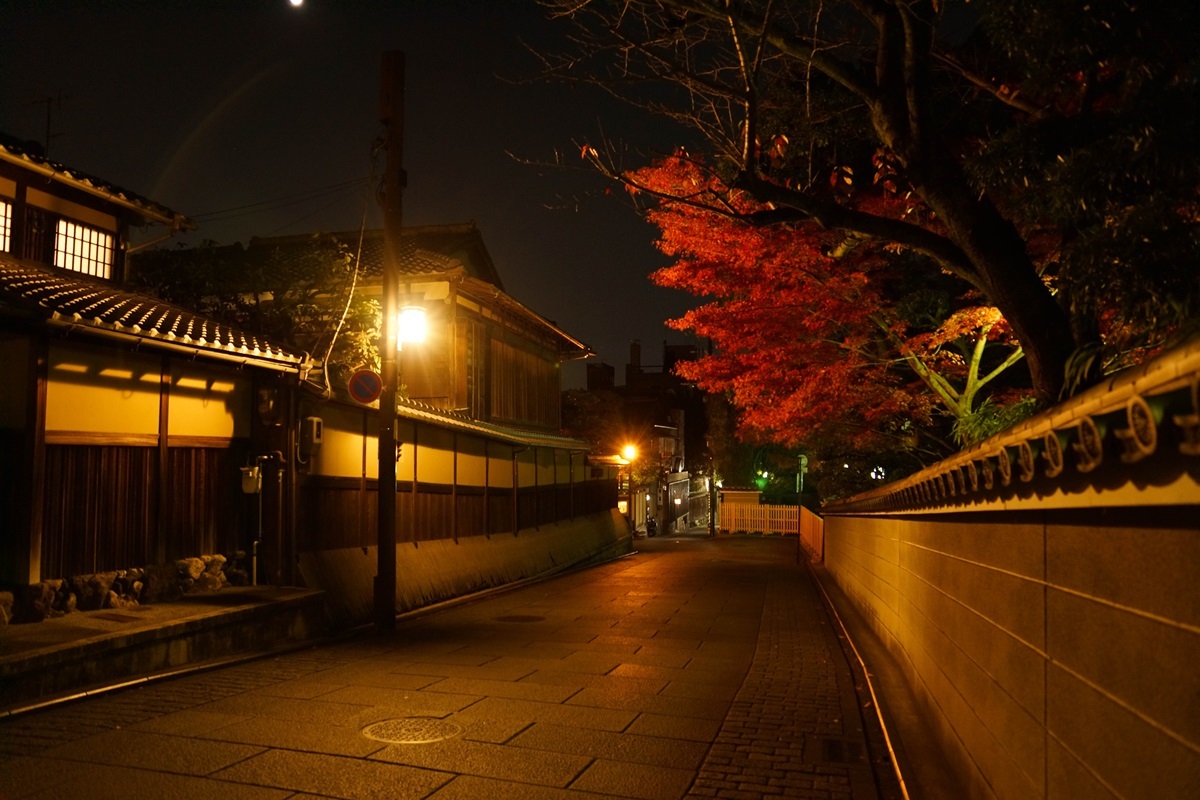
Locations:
{"points": [[1009, 279]]}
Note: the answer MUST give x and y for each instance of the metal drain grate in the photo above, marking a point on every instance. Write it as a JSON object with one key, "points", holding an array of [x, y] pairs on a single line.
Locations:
{"points": [[412, 730], [520, 618], [842, 751]]}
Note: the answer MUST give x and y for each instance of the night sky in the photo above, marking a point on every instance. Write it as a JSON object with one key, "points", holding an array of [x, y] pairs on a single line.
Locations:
{"points": [[257, 119]]}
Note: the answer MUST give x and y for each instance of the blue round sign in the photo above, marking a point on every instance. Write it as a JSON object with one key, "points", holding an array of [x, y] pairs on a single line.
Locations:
{"points": [[365, 386]]}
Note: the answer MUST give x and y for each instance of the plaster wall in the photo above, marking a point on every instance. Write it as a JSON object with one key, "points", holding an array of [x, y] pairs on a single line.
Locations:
{"points": [[1054, 652], [434, 571], [479, 462], [204, 404], [97, 391]]}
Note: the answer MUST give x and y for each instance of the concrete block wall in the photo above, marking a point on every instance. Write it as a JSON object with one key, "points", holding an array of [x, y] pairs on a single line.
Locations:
{"points": [[1056, 653]]}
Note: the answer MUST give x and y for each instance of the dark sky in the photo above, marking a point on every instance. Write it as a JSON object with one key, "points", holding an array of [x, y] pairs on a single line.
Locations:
{"points": [[211, 107]]}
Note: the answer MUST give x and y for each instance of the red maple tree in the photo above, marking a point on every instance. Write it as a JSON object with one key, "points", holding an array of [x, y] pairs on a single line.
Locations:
{"points": [[817, 337]]}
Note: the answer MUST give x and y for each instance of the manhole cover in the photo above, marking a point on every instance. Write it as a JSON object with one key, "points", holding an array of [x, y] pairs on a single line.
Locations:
{"points": [[412, 730], [520, 618]]}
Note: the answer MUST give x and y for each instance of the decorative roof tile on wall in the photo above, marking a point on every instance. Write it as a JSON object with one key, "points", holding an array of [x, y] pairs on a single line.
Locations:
{"points": [[1133, 439]]}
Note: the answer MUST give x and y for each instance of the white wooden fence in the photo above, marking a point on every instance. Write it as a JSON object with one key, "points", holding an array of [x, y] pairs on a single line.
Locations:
{"points": [[755, 518]]}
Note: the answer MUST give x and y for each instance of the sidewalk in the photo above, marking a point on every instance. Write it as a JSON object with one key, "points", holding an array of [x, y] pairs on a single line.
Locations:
{"points": [[693, 668]]}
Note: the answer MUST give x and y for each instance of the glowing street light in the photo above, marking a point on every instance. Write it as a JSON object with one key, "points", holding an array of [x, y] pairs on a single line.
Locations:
{"points": [[629, 452], [410, 326]]}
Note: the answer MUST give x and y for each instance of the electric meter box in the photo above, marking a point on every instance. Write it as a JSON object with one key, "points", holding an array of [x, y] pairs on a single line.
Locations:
{"points": [[311, 436], [251, 480]]}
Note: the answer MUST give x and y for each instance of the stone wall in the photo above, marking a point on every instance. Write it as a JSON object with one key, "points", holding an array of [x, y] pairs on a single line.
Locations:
{"points": [[120, 588]]}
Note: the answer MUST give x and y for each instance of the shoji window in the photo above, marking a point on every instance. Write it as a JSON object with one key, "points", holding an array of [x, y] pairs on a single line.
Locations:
{"points": [[83, 249]]}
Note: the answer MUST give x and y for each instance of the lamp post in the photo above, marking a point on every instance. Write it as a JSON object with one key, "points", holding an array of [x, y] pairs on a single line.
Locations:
{"points": [[391, 114], [629, 454]]}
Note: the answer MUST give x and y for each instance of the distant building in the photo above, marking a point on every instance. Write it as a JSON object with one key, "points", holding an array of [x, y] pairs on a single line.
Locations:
{"points": [[664, 416]]}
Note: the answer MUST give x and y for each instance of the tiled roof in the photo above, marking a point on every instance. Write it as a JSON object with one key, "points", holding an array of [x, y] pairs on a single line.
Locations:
{"points": [[411, 409], [427, 250], [90, 305], [23, 155]]}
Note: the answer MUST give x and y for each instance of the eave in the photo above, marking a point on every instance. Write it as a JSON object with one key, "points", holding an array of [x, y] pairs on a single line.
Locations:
{"points": [[145, 209], [90, 307]]}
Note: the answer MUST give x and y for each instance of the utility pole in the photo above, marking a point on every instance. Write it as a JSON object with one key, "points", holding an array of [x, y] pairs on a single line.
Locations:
{"points": [[391, 114]]}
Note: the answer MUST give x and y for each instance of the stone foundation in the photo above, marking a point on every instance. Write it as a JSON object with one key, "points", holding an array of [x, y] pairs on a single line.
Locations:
{"points": [[125, 588]]}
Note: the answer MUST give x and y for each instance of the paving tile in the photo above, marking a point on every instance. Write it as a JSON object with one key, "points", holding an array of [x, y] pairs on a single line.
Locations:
{"points": [[667, 727], [635, 781], [488, 761], [469, 787], [631, 748], [502, 668], [56, 780], [405, 702], [582, 680], [725, 692], [596, 663], [333, 776], [499, 719], [670, 646], [671, 658], [328, 710], [376, 673], [187, 723], [342, 740], [124, 748], [488, 688], [300, 689]]}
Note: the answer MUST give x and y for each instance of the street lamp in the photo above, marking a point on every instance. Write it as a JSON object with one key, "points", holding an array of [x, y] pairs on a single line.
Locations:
{"points": [[410, 326], [629, 454]]}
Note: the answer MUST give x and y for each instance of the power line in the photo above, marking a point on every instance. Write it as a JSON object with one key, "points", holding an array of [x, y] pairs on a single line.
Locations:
{"points": [[278, 202]]}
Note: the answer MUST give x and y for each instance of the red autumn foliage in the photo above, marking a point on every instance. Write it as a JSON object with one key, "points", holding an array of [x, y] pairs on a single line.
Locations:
{"points": [[796, 332], [809, 338]]}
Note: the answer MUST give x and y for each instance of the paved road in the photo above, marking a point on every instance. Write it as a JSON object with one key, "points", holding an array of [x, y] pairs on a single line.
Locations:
{"points": [[694, 668]]}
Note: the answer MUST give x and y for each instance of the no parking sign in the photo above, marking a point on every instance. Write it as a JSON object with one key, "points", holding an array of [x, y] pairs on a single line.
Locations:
{"points": [[365, 386]]}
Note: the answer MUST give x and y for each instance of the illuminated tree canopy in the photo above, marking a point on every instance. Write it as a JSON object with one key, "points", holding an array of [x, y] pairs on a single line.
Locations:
{"points": [[1044, 156], [869, 190]]}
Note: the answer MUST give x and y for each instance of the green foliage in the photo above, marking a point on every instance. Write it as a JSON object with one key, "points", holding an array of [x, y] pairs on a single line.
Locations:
{"points": [[1109, 167], [989, 419], [297, 297]]}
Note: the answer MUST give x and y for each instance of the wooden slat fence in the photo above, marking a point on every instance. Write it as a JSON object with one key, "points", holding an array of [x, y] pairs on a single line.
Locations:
{"points": [[755, 518]]}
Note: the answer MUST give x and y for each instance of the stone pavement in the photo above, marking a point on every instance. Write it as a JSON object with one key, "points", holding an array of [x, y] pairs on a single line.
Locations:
{"points": [[692, 668]]}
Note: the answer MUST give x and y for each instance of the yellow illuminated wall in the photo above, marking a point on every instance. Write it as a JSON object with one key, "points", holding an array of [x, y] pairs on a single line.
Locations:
{"points": [[102, 392], [208, 404], [526, 468], [341, 453], [545, 467], [479, 462], [472, 463], [435, 456], [500, 471]]}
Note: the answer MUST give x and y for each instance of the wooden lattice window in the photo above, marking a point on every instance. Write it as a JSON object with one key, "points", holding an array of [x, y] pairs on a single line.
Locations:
{"points": [[83, 249], [5, 226]]}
